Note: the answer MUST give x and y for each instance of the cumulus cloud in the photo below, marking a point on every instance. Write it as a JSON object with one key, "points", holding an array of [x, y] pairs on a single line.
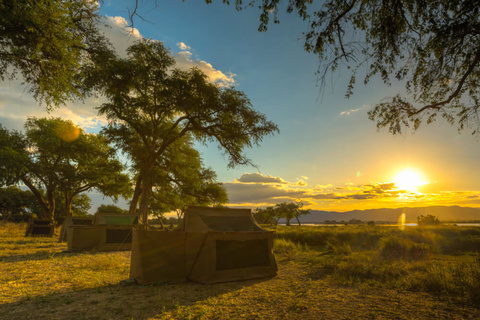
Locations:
{"points": [[16, 103], [183, 46], [121, 36], [259, 178], [301, 183], [259, 193], [184, 62]]}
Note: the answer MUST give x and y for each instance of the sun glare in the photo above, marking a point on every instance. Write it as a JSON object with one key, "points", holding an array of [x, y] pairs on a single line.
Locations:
{"points": [[408, 180]]}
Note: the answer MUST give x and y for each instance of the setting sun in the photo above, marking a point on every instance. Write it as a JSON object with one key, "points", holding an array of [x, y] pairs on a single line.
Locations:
{"points": [[408, 180]]}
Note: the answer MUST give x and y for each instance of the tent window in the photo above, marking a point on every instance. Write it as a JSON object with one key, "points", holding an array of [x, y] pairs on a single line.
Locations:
{"points": [[85, 222], [230, 223], [118, 220], [41, 230], [118, 236], [42, 222], [236, 254]]}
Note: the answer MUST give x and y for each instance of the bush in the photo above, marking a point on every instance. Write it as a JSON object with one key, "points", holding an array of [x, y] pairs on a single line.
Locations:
{"points": [[339, 248], [396, 247]]}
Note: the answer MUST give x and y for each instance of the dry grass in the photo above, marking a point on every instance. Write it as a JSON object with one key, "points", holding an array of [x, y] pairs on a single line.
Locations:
{"points": [[39, 281]]}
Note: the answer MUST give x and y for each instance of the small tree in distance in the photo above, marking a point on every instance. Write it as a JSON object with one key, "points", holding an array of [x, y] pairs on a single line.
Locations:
{"points": [[428, 220]]}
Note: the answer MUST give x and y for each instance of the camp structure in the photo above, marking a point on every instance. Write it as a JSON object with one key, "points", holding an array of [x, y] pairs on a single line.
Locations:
{"points": [[73, 221], [109, 232], [40, 228], [212, 245]]}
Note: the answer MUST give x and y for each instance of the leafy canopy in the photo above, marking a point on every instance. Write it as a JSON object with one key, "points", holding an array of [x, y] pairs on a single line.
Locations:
{"points": [[54, 155], [151, 105], [50, 43], [430, 46]]}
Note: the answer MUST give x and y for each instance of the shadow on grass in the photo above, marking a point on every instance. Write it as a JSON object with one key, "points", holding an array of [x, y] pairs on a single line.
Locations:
{"points": [[117, 301], [47, 254]]}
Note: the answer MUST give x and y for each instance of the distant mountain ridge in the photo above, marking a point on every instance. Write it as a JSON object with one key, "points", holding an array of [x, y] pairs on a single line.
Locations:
{"points": [[443, 213]]}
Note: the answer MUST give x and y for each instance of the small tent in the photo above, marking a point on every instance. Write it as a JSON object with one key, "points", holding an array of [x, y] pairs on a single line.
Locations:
{"points": [[73, 221], [40, 228], [109, 232], [212, 245]]}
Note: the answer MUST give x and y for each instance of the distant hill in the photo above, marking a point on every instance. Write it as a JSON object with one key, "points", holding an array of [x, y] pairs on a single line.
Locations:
{"points": [[454, 213]]}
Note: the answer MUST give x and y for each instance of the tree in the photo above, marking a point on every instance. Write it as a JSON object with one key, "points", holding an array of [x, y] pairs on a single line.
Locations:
{"points": [[152, 105], [265, 216], [79, 206], [431, 46], [13, 202], [428, 220], [51, 43], [54, 155], [180, 179], [110, 208], [93, 165], [299, 213], [288, 211]]}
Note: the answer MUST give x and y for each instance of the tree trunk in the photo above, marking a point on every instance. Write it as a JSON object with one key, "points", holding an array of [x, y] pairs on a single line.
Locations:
{"points": [[146, 190], [136, 195], [288, 221], [48, 207], [68, 205], [51, 205], [298, 220]]}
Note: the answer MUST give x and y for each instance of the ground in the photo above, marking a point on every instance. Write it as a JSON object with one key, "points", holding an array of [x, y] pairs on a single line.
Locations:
{"points": [[38, 280]]}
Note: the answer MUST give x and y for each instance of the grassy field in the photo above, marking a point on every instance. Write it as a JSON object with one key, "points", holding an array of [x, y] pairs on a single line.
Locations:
{"points": [[353, 272]]}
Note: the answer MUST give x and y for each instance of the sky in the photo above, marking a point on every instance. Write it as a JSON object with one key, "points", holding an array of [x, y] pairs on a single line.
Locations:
{"points": [[328, 155]]}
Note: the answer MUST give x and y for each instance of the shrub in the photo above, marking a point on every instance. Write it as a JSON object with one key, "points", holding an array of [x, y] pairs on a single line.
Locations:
{"points": [[338, 248], [398, 247]]}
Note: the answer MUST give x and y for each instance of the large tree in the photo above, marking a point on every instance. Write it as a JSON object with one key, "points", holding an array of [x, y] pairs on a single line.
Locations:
{"points": [[158, 105], [50, 43], [430, 46], [54, 155]]}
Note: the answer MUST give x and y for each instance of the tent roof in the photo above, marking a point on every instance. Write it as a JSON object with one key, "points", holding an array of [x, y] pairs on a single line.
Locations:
{"points": [[115, 219], [203, 219]]}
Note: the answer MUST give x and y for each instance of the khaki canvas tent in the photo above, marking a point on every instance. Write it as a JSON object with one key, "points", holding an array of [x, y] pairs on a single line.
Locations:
{"points": [[40, 228], [212, 245], [73, 221], [109, 232]]}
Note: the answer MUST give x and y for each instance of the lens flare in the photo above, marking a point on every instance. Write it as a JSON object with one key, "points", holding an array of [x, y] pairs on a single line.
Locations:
{"points": [[67, 132], [401, 221]]}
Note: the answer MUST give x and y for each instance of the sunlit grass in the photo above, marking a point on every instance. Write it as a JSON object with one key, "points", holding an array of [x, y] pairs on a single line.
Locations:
{"points": [[324, 272]]}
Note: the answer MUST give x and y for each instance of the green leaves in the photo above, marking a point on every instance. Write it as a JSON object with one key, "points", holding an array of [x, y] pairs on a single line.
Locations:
{"points": [[429, 46], [49, 43], [154, 109], [57, 156]]}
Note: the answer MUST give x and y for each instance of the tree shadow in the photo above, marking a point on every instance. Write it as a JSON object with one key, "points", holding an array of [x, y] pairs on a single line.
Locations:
{"points": [[118, 301], [46, 254]]}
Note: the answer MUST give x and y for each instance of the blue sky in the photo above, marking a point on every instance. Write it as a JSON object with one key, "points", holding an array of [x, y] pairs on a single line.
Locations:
{"points": [[328, 154]]}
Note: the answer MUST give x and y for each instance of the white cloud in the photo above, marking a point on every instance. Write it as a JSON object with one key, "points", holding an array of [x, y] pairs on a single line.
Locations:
{"points": [[184, 62], [17, 104], [183, 46], [349, 112], [121, 36]]}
